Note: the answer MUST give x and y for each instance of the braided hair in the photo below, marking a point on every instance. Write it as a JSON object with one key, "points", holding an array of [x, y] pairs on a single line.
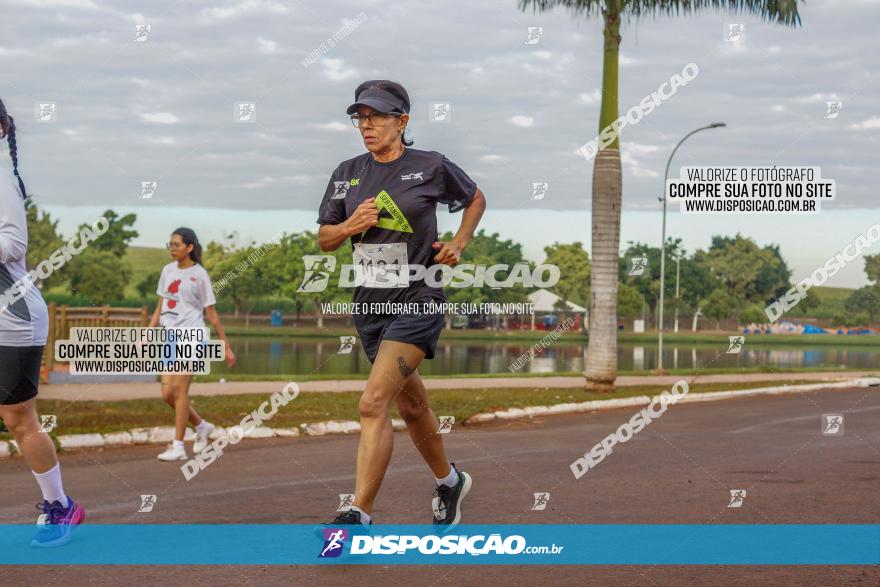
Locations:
{"points": [[7, 126]]}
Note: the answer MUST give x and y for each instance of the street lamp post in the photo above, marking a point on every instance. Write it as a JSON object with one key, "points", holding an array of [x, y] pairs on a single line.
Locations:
{"points": [[663, 243]]}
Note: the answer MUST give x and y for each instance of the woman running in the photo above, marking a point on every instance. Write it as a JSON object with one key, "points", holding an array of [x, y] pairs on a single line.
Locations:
{"points": [[185, 299], [24, 328], [385, 201]]}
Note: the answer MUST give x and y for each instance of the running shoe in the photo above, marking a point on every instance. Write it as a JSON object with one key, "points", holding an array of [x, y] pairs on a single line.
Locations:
{"points": [[447, 501], [55, 525], [173, 453], [349, 518], [202, 437]]}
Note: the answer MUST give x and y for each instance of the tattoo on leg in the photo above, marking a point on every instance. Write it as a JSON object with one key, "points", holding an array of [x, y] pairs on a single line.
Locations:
{"points": [[405, 370]]}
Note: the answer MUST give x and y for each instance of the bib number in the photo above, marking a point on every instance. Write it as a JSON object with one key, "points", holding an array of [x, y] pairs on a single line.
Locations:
{"points": [[381, 266]]}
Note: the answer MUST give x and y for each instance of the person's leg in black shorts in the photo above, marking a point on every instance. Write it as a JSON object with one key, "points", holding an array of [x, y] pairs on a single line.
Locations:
{"points": [[396, 345]]}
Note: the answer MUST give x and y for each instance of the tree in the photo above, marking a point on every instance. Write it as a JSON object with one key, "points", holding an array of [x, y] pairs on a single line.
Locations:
{"points": [[601, 368], [239, 278], [99, 276], [487, 250], [118, 235], [872, 268], [720, 304], [865, 300], [43, 240], [629, 301], [752, 314], [574, 271], [147, 286]]}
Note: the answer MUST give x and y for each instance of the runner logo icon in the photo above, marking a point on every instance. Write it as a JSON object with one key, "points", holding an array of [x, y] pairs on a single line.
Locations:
{"points": [[317, 273], [334, 540], [737, 497], [341, 190]]}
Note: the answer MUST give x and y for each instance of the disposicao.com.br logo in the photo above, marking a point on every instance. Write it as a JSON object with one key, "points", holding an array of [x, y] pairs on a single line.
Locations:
{"points": [[320, 268], [431, 544]]}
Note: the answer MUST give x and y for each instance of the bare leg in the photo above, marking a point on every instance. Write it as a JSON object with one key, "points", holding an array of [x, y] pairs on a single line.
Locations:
{"points": [[36, 446], [394, 364], [422, 425], [173, 387]]}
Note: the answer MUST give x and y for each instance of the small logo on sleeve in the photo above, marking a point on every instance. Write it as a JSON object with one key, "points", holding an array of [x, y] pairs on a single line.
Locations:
{"points": [[341, 190]]}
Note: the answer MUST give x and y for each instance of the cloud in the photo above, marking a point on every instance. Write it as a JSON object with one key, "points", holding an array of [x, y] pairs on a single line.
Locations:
{"points": [[238, 9], [334, 126], [522, 121], [159, 117], [869, 124], [335, 70], [594, 97], [267, 46]]}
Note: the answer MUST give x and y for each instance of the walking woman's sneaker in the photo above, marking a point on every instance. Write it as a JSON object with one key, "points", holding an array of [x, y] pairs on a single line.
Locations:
{"points": [[349, 518], [173, 453], [55, 525], [447, 501], [202, 436]]}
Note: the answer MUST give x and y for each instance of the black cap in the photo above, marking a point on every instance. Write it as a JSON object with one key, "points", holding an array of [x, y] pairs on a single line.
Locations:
{"points": [[381, 95]]}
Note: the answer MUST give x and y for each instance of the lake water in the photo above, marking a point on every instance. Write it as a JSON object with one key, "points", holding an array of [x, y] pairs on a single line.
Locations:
{"points": [[267, 355]]}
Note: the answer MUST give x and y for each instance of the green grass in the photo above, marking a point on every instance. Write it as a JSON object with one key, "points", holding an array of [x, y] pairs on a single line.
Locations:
{"points": [[87, 417], [233, 377]]}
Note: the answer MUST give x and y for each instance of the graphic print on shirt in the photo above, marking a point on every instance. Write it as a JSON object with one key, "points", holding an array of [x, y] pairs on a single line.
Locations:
{"points": [[19, 308], [173, 289], [390, 216]]}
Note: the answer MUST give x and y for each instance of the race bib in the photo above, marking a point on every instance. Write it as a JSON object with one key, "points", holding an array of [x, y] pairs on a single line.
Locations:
{"points": [[381, 265]]}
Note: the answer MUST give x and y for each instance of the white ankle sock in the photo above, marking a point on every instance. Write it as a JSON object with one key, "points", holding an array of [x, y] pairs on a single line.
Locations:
{"points": [[51, 486], [178, 444], [365, 517], [202, 425], [451, 480]]}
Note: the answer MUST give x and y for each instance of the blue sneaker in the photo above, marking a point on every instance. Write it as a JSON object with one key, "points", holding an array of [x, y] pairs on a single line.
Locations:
{"points": [[55, 525]]}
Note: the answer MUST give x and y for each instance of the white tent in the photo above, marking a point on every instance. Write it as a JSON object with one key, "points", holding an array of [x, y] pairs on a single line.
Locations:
{"points": [[544, 301]]}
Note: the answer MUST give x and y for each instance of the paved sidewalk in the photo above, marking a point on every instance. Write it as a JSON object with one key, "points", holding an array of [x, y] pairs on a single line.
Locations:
{"points": [[125, 391]]}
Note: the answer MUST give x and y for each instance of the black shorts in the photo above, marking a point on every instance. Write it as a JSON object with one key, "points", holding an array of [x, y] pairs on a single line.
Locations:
{"points": [[19, 373], [422, 330]]}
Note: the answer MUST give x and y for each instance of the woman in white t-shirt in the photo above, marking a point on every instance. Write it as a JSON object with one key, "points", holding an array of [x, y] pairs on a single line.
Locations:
{"points": [[24, 328], [186, 298]]}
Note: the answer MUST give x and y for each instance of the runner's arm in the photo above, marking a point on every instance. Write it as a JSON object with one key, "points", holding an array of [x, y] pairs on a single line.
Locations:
{"points": [[470, 219], [13, 234], [154, 321], [330, 236], [449, 253]]}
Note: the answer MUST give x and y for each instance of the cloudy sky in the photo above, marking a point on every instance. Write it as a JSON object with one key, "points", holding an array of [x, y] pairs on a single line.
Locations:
{"points": [[163, 109]]}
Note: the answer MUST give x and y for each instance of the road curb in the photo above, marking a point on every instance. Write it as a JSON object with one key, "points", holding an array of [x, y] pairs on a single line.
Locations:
{"points": [[160, 434], [609, 404]]}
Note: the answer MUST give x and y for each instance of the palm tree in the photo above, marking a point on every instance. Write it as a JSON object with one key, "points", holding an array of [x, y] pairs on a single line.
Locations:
{"points": [[601, 369]]}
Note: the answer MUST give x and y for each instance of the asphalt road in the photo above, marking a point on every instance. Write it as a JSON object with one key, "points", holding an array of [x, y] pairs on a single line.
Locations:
{"points": [[680, 469]]}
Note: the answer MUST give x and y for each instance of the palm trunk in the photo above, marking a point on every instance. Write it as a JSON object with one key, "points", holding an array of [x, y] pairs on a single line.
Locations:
{"points": [[601, 369]]}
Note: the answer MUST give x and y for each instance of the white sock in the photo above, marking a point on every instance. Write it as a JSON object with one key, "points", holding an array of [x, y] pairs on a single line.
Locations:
{"points": [[365, 517], [451, 480], [51, 486], [178, 444], [202, 425]]}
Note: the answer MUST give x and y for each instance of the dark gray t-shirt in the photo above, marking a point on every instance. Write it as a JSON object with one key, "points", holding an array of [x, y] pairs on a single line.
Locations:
{"points": [[407, 190]]}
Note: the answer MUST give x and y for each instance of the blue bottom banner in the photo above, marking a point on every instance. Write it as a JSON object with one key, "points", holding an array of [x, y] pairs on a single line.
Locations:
{"points": [[637, 544]]}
